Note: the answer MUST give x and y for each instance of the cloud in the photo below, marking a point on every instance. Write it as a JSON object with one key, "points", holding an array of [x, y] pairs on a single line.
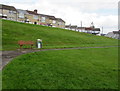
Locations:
{"points": [[87, 4]]}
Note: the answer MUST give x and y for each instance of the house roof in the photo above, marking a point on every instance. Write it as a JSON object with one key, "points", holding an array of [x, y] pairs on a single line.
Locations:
{"points": [[59, 19], [23, 11], [43, 15], [80, 27], [51, 17], [32, 12], [7, 7], [88, 28], [93, 29], [73, 26], [116, 32], [67, 26], [96, 29]]}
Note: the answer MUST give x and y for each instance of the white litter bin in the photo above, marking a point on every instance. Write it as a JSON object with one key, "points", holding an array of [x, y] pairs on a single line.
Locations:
{"points": [[39, 43]]}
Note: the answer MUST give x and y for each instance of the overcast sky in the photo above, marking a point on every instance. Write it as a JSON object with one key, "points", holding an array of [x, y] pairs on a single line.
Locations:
{"points": [[103, 13]]}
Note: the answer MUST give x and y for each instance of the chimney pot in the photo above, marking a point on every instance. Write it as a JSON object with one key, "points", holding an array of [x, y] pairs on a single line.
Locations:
{"points": [[35, 10]]}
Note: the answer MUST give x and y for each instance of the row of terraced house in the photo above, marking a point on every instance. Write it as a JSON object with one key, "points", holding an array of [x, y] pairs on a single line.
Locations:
{"points": [[90, 30], [27, 16]]}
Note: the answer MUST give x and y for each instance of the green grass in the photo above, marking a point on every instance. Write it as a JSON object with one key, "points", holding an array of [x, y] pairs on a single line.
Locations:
{"points": [[12, 32], [0, 80], [63, 69]]}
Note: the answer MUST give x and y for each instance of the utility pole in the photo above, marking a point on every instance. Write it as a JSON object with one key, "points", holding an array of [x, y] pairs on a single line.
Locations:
{"points": [[102, 30], [69, 26], [81, 23], [81, 26]]}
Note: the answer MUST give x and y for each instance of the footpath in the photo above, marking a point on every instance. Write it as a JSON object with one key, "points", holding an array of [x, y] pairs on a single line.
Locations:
{"points": [[7, 56]]}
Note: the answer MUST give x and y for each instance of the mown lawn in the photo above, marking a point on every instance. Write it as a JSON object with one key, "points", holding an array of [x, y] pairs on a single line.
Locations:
{"points": [[12, 32], [64, 69]]}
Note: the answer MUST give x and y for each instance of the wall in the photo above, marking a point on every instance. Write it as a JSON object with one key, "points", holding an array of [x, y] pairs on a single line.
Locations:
{"points": [[32, 20], [10, 16]]}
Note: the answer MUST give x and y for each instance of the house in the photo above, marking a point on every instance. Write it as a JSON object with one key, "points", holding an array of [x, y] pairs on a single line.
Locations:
{"points": [[92, 30], [102, 34], [44, 19], [95, 31], [27, 16], [73, 27], [8, 12], [22, 16], [68, 26], [60, 23], [88, 30], [81, 29], [47, 20], [33, 17], [114, 34], [52, 21]]}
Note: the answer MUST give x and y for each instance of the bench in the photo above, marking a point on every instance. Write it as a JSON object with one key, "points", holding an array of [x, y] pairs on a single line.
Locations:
{"points": [[21, 43]]}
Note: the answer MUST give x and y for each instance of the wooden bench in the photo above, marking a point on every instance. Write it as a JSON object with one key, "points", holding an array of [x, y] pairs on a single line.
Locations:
{"points": [[21, 43]]}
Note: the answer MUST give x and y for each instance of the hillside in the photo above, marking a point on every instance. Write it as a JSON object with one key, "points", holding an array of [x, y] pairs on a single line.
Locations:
{"points": [[91, 68], [12, 32]]}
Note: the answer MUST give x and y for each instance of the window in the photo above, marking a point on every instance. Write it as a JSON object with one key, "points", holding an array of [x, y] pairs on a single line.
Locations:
{"points": [[10, 11], [60, 23], [54, 21], [21, 15], [10, 18], [14, 12], [27, 19], [42, 19], [0, 14], [35, 16]]}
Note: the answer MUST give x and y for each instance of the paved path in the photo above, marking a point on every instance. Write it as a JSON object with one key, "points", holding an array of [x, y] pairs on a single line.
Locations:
{"points": [[7, 56]]}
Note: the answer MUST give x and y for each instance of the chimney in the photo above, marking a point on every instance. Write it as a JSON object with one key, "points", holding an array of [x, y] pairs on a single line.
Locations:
{"points": [[35, 11]]}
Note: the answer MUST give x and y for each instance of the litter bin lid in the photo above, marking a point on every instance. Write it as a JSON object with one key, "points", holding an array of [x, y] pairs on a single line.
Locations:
{"points": [[39, 40]]}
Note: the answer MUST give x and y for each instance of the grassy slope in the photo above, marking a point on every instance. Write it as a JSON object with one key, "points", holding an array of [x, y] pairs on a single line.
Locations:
{"points": [[52, 37], [66, 69]]}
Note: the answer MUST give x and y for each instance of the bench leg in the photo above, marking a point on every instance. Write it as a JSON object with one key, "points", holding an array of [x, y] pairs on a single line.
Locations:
{"points": [[31, 46], [21, 46]]}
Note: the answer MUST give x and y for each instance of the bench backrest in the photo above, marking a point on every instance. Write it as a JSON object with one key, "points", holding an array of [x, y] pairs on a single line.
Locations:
{"points": [[21, 42]]}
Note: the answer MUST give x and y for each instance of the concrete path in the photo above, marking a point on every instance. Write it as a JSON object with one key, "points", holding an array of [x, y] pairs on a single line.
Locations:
{"points": [[7, 56]]}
